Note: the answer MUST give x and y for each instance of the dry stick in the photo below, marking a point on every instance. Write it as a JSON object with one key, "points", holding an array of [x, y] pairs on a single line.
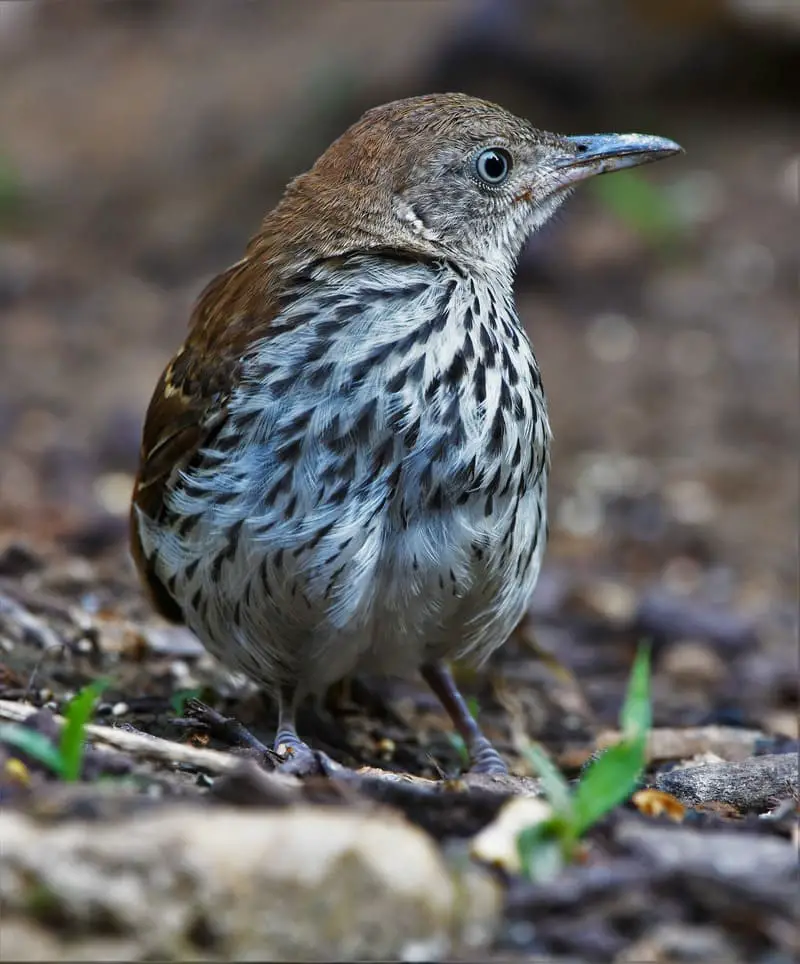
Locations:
{"points": [[144, 746]]}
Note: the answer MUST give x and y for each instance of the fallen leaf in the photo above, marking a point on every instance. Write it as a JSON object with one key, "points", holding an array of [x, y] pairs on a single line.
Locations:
{"points": [[17, 771], [658, 803], [496, 844]]}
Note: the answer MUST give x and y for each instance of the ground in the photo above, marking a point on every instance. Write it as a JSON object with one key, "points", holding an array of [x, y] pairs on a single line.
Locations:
{"points": [[140, 147]]}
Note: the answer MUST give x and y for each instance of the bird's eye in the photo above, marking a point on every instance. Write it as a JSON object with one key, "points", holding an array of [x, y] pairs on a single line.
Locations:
{"points": [[493, 166]]}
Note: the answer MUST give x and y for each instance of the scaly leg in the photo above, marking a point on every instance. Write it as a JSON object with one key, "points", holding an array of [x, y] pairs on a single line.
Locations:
{"points": [[299, 758], [484, 757]]}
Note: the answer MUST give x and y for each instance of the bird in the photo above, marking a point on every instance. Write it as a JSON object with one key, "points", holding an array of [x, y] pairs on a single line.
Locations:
{"points": [[344, 466]]}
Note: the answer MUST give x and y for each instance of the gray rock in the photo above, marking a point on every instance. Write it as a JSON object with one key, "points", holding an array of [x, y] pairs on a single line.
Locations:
{"points": [[724, 854], [301, 883], [755, 784]]}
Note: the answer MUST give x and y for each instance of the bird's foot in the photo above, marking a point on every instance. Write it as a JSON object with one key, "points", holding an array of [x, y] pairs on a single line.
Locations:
{"points": [[485, 759], [298, 759]]}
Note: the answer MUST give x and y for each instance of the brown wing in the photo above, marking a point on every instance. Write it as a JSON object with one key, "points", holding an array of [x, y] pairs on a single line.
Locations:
{"points": [[191, 397]]}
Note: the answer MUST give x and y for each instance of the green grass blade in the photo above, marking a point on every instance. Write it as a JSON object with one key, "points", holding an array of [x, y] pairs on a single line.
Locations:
{"points": [[540, 850], [555, 787], [612, 777], [36, 745], [77, 715], [609, 781], [636, 716], [458, 744], [179, 698]]}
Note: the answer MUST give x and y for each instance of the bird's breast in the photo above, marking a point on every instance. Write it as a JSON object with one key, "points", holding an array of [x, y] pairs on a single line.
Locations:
{"points": [[383, 459]]}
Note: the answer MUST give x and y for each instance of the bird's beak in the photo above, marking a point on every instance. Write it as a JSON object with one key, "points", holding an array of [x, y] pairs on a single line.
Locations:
{"points": [[591, 154]]}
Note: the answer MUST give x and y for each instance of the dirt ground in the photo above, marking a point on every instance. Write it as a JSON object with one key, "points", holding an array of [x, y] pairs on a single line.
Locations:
{"points": [[141, 143]]}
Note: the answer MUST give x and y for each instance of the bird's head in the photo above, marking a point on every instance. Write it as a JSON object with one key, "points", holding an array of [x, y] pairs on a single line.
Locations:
{"points": [[447, 175]]}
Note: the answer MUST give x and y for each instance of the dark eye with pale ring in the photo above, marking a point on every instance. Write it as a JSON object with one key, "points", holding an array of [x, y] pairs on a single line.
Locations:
{"points": [[493, 166]]}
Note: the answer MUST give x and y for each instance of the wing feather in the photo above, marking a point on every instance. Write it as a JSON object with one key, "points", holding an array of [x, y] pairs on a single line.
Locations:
{"points": [[190, 400]]}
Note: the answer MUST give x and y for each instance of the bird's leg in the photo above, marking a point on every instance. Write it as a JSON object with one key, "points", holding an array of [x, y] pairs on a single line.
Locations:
{"points": [[298, 757], [484, 757]]}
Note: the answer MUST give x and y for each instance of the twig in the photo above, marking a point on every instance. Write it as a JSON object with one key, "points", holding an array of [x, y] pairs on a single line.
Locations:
{"points": [[144, 746], [229, 730]]}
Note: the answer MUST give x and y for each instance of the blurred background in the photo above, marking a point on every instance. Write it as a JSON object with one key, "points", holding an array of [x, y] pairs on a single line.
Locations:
{"points": [[142, 141]]}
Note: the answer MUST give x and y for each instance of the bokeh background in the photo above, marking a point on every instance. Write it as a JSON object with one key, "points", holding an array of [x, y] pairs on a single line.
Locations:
{"points": [[141, 142]]}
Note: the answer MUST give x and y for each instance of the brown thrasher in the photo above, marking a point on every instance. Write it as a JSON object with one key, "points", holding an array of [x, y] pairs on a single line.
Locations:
{"points": [[344, 467]]}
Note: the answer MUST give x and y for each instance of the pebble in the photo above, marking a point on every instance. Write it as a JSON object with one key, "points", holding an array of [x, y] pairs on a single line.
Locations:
{"points": [[690, 662], [691, 502]]}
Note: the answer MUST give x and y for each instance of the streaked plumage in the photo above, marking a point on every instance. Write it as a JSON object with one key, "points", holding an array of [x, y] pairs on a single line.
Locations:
{"points": [[345, 466]]}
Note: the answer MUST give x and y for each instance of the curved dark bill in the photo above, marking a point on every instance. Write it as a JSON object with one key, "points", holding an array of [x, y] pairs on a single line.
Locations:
{"points": [[602, 153]]}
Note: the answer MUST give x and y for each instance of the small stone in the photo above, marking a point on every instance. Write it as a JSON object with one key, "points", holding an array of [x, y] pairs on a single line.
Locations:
{"points": [[692, 663], [113, 492], [181, 673], [691, 502], [580, 515], [614, 473], [613, 601], [682, 576], [784, 723], [172, 641]]}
